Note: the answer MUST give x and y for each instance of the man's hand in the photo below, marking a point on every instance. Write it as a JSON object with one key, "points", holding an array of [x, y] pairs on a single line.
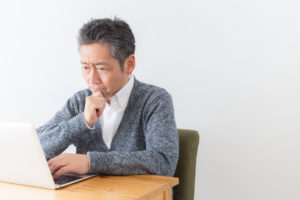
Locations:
{"points": [[94, 106], [69, 162]]}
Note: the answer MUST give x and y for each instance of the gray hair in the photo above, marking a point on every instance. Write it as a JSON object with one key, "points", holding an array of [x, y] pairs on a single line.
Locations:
{"points": [[114, 32]]}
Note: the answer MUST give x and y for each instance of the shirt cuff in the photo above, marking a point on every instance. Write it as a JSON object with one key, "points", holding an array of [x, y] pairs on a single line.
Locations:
{"points": [[91, 128], [88, 154]]}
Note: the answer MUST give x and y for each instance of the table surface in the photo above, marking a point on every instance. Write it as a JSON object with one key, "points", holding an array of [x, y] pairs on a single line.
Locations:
{"points": [[140, 187]]}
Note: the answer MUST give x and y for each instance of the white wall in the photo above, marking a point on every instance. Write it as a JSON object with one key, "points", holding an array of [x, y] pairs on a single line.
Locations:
{"points": [[231, 66]]}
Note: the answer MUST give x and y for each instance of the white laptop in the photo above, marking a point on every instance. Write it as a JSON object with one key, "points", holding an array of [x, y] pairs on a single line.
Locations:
{"points": [[22, 159]]}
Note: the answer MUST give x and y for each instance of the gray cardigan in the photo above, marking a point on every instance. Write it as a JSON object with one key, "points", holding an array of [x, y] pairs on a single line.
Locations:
{"points": [[146, 141]]}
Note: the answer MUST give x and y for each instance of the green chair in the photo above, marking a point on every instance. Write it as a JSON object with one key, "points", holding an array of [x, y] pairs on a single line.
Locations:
{"points": [[186, 167]]}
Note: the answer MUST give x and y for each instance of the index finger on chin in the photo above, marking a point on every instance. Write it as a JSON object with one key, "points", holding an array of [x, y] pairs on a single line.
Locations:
{"points": [[99, 94]]}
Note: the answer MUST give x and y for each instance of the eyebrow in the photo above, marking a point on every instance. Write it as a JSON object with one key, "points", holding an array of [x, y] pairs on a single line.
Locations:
{"points": [[98, 63]]}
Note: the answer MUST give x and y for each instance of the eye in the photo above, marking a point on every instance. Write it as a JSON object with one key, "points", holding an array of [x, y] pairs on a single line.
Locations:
{"points": [[100, 68], [85, 68]]}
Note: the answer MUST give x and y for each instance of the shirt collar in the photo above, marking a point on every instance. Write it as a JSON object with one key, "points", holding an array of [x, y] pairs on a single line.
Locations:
{"points": [[122, 96]]}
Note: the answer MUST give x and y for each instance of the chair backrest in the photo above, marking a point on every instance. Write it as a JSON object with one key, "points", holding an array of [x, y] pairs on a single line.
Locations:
{"points": [[186, 167]]}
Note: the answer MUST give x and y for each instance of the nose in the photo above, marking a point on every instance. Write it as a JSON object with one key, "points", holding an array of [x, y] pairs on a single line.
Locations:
{"points": [[94, 76]]}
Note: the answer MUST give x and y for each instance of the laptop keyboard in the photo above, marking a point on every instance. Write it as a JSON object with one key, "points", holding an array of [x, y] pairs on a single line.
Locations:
{"points": [[66, 179]]}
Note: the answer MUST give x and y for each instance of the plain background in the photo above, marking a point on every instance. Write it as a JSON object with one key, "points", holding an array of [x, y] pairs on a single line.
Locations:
{"points": [[232, 68]]}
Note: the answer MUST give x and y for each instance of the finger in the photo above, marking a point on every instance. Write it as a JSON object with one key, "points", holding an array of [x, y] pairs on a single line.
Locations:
{"points": [[55, 167], [51, 161], [97, 94], [54, 160], [103, 92], [98, 100], [56, 163], [98, 103], [61, 171], [97, 107]]}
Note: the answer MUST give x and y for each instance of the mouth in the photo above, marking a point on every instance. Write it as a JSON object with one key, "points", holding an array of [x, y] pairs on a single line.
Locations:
{"points": [[95, 90], [103, 89]]}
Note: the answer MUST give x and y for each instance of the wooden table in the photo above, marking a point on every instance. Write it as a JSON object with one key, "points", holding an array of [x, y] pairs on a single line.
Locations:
{"points": [[140, 187]]}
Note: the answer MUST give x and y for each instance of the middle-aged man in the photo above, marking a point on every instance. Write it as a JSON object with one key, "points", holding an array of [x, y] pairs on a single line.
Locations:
{"points": [[119, 125]]}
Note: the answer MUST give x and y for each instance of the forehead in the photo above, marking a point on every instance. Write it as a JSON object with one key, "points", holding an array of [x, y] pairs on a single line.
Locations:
{"points": [[95, 51]]}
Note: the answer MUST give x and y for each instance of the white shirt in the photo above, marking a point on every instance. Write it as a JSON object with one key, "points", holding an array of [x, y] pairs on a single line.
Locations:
{"points": [[114, 112]]}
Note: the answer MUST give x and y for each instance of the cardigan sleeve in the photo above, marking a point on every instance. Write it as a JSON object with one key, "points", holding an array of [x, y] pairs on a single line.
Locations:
{"points": [[62, 130]]}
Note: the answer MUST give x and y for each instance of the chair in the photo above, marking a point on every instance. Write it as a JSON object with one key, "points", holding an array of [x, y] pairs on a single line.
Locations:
{"points": [[186, 167]]}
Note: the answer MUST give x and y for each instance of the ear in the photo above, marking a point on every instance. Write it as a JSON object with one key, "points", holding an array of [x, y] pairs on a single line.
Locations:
{"points": [[129, 64]]}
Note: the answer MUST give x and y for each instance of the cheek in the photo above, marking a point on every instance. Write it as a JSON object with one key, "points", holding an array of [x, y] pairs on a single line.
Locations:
{"points": [[118, 82], [109, 80], [106, 79]]}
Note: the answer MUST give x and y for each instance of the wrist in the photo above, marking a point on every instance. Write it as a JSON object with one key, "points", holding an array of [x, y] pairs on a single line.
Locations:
{"points": [[89, 125]]}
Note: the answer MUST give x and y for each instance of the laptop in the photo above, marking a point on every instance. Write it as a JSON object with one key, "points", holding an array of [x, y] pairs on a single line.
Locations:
{"points": [[22, 159]]}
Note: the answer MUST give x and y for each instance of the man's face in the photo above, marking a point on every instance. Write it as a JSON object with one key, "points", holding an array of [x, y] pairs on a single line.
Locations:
{"points": [[101, 71]]}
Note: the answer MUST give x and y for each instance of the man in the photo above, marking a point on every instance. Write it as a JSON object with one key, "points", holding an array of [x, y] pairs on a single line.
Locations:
{"points": [[120, 126]]}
